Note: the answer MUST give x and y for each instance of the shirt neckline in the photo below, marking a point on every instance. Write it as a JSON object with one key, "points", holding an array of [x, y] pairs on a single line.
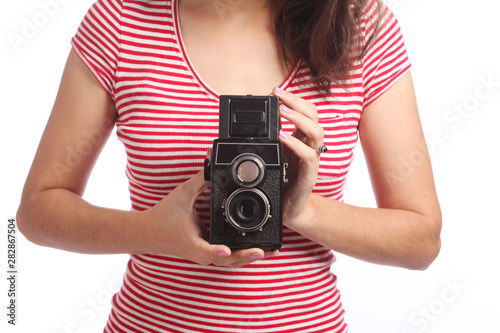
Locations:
{"points": [[209, 91]]}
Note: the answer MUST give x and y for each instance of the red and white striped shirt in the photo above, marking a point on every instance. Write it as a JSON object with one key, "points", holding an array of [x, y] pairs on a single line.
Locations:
{"points": [[167, 118]]}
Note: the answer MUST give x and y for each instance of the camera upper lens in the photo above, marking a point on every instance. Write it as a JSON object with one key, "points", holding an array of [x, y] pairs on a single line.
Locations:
{"points": [[247, 209], [248, 170]]}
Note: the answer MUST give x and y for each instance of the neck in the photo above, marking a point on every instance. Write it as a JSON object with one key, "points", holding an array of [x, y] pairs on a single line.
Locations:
{"points": [[230, 9]]}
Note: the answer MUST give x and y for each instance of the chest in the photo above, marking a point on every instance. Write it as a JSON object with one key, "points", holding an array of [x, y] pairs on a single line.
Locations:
{"points": [[232, 58], [168, 111]]}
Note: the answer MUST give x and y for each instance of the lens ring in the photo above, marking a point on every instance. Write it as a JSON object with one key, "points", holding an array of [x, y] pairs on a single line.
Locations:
{"points": [[247, 222], [252, 165]]}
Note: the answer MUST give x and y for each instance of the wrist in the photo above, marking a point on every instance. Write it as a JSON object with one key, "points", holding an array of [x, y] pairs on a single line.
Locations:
{"points": [[141, 240], [310, 224], [304, 220]]}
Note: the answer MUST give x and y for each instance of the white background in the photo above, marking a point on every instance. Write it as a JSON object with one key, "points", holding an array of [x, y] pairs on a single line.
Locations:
{"points": [[454, 48]]}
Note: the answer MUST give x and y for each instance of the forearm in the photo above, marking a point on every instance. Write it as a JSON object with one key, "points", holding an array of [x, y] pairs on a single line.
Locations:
{"points": [[61, 219], [383, 236]]}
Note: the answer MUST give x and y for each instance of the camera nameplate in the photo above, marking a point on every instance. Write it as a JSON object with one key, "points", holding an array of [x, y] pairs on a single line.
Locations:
{"points": [[270, 153]]}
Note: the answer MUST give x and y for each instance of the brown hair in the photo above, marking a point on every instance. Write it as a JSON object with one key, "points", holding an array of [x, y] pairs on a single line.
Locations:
{"points": [[323, 33]]}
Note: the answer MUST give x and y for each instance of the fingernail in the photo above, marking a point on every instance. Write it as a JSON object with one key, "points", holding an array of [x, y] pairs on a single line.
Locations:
{"points": [[222, 254], [286, 109], [280, 91], [256, 255], [284, 135]]}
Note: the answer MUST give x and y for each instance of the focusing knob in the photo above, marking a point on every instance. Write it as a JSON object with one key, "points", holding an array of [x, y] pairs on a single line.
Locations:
{"points": [[206, 168], [285, 166]]}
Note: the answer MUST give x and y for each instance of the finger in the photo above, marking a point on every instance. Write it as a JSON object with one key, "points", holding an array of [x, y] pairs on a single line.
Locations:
{"points": [[252, 254], [307, 126], [212, 253], [223, 255], [297, 103], [239, 258], [303, 151], [194, 186], [270, 253], [197, 183]]}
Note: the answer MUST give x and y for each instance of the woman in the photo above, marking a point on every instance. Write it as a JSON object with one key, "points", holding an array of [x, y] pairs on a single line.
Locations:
{"points": [[155, 69]]}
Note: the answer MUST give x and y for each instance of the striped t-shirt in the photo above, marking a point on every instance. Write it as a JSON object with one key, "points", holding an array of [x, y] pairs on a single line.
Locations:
{"points": [[167, 118]]}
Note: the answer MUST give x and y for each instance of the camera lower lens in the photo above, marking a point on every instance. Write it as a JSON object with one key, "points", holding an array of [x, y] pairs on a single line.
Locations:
{"points": [[247, 209]]}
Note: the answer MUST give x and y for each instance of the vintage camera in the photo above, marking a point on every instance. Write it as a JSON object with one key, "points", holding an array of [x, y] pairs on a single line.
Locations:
{"points": [[246, 172]]}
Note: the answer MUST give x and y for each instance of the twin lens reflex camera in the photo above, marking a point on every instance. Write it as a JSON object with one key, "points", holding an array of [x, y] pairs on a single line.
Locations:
{"points": [[247, 173]]}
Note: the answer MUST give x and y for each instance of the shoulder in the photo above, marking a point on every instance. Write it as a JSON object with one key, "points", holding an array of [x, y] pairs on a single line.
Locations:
{"points": [[375, 18], [115, 14], [384, 57], [131, 4]]}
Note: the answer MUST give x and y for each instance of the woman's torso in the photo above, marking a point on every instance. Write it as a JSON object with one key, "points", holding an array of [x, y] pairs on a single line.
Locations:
{"points": [[167, 119]]}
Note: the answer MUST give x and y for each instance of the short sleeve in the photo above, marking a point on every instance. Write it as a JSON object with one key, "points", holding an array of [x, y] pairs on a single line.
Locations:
{"points": [[97, 41], [385, 60]]}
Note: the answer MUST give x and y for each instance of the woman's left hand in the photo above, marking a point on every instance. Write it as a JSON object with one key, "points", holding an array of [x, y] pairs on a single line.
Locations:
{"points": [[300, 154]]}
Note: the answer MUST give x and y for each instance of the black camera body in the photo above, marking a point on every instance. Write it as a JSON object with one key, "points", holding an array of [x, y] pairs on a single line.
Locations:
{"points": [[247, 173]]}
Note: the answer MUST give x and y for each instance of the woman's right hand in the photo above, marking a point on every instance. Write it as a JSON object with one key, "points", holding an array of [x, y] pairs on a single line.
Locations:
{"points": [[174, 228]]}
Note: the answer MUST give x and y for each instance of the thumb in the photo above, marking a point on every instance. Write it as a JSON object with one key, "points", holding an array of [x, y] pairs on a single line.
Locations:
{"points": [[213, 251], [194, 186]]}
